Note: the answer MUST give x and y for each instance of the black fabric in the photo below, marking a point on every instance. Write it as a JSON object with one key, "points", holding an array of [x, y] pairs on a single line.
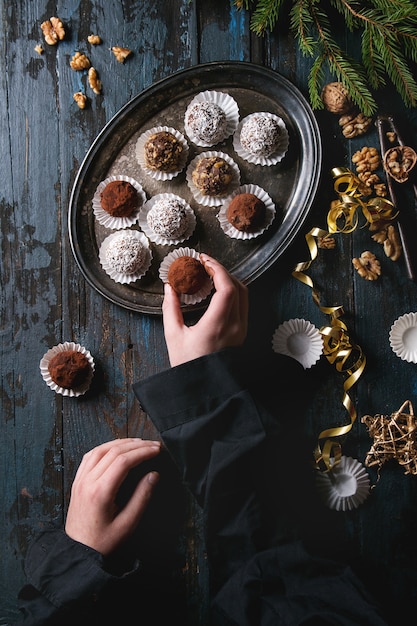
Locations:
{"points": [[236, 436]]}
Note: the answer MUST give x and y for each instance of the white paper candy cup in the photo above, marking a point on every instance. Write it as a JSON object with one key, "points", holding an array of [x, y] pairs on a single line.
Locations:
{"points": [[163, 274], [226, 103], [140, 154], [65, 347], [159, 239], [109, 221], [125, 278], [206, 200], [403, 337], [300, 340], [271, 159], [233, 232], [345, 486]]}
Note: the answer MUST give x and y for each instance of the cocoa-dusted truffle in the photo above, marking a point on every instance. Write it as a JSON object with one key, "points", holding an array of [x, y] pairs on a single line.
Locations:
{"points": [[212, 176], [119, 198], [186, 275], [69, 369], [246, 212], [163, 151]]}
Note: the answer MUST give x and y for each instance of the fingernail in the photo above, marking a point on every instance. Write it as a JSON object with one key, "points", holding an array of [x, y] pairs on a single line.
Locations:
{"points": [[153, 477]]}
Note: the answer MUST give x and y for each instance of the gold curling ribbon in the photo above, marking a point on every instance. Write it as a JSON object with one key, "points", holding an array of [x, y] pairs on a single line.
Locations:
{"points": [[348, 358]]}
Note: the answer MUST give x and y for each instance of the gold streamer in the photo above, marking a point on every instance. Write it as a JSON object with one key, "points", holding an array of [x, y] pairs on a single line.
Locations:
{"points": [[347, 357]]}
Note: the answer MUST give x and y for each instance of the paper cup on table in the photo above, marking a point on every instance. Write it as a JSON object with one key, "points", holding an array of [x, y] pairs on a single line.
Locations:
{"points": [[403, 337], [345, 486], [299, 339], [66, 347]]}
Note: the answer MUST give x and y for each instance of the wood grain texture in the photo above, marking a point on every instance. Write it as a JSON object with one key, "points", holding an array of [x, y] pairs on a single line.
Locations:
{"points": [[45, 299]]}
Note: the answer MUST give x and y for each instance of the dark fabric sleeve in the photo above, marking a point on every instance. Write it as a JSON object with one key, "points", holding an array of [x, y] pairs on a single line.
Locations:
{"points": [[65, 580]]}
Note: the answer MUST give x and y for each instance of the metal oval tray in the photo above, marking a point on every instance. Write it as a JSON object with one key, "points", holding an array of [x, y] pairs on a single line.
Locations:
{"points": [[292, 183]]}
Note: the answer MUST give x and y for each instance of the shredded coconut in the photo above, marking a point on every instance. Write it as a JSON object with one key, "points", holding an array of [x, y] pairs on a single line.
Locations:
{"points": [[126, 254], [168, 218], [206, 121], [260, 135]]}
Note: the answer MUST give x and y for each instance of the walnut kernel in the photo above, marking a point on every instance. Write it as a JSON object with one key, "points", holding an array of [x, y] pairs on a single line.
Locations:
{"points": [[326, 243], [80, 62], [80, 99], [121, 54], [38, 49], [94, 81], [95, 40], [336, 98], [367, 266], [53, 30], [392, 244], [354, 125]]}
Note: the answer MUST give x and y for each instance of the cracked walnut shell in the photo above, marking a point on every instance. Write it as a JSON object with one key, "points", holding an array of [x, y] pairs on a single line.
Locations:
{"points": [[399, 161], [53, 30], [367, 266]]}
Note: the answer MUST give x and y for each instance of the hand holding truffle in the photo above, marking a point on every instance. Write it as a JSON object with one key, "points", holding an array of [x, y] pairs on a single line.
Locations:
{"points": [[224, 323]]}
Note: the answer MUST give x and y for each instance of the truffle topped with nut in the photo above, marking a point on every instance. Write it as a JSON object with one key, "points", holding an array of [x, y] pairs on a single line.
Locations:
{"points": [[163, 151]]}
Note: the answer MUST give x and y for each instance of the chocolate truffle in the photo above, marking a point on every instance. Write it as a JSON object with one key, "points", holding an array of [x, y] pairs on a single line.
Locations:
{"points": [[126, 254], [212, 176], [69, 369], [206, 122], [186, 275], [260, 135], [163, 151], [168, 218], [119, 198], [246, 212]]}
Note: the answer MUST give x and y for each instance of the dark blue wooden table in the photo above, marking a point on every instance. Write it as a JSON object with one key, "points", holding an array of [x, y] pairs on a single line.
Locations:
{"points": [[45, 299]]}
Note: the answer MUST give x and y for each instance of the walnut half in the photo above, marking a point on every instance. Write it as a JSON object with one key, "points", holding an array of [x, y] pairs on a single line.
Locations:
{"points": [[121, 54], [367, 266], [53, 30]]}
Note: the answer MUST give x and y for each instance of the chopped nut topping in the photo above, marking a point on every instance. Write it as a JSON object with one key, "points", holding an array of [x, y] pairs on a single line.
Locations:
{"points": [[38, 49], [121, 54], [354, 125], [53, 30], [94, 81], [367, 266], [80, 99], [95, 40], [80, 62]]}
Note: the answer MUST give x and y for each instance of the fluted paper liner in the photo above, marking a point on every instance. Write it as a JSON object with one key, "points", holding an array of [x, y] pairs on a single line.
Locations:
{"points": [[233, 232], [206, 200], [403, 337], [163, 274], [156, 238], [140, 154], [117, 276], [299, 339], [225, 102], [65, 347], [345, 486], [109, 221], [280, 150]]}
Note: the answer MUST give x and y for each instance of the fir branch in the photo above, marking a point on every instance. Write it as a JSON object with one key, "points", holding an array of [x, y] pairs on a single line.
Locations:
{"points": [[389, 43]]}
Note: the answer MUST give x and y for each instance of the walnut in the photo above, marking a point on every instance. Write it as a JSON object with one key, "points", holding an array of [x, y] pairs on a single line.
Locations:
{"points": [[94, 81], [367, 159], [392, 244], [399, 161], [53, 30], [370, 179], [95, 40], [381, 190], [326, 243], [121, 54], [381, 235], [80, 99], [38, 49], [80, 62], [391, 136], [336, 98], [354, 124], [367, 266]]}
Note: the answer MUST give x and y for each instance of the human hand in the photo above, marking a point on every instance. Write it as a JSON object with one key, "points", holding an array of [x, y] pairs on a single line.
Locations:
{"points": [[93, 517], [223, 324]]}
